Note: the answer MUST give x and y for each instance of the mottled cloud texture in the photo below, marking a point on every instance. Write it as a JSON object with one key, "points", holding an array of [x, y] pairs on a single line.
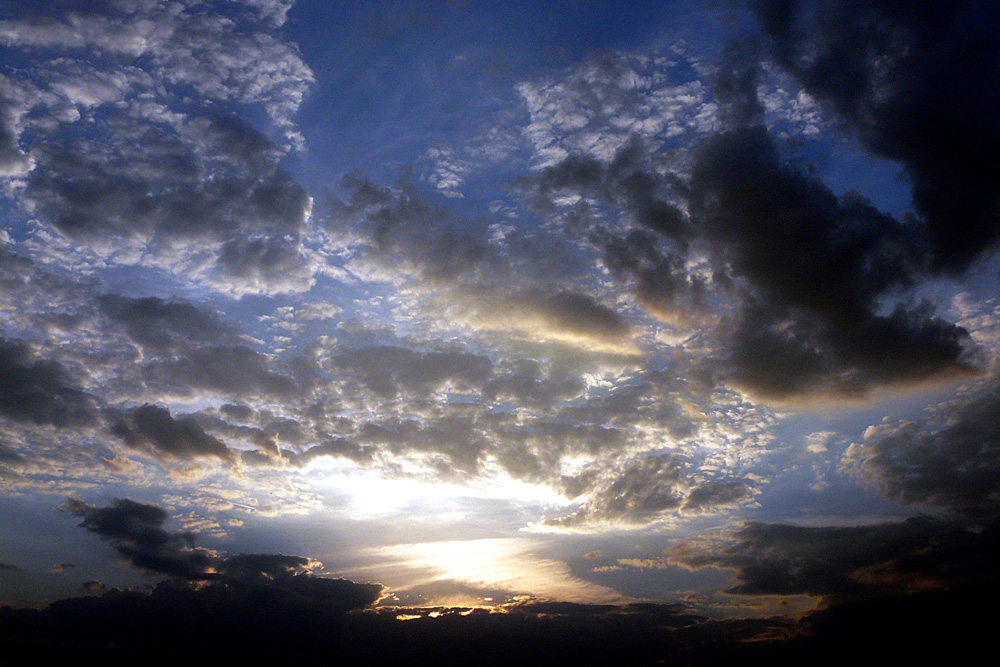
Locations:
{"points": [[695, 303]]}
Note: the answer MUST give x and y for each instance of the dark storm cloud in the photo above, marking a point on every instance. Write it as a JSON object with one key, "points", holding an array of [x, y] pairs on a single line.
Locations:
{"points": [[158, 323], [920, 554], [917, 83], [817, 265], [950, 459], [152, 428], [137, 533], [810, 270], [387, 370], [736, 83], [40, 391]]}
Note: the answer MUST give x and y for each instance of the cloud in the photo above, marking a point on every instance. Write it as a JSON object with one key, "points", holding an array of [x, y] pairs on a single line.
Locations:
{"points": [[40, 391], [191, 190], [13, 161], [157, 323], [339, 447], [792, 280], [234, 370], [817, 267], [596, 107], [136, 531], [388, 370], [502, 280], [648, 489], [528, 383], [916, 84], [846, 563], [184, 45], [152, 428], [950, 459], [211, 184], [565, 316]]}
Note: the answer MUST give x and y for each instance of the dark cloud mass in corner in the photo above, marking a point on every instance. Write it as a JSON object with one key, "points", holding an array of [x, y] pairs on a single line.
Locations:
{"points": [[917, 82], [812, 270]]}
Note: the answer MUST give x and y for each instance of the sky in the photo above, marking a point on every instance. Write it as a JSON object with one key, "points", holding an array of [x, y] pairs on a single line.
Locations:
{"points": [[597, 321]]}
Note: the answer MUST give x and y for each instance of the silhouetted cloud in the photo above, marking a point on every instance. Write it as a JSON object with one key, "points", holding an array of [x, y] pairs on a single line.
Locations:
{"points": [[137, 533]]}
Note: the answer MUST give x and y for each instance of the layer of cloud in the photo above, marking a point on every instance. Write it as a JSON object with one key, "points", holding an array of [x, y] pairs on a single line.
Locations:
{"points": [[190, 190]]}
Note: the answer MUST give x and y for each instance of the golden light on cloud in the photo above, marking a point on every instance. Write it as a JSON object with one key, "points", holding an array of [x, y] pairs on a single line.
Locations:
{"points": [[502, 564]]}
